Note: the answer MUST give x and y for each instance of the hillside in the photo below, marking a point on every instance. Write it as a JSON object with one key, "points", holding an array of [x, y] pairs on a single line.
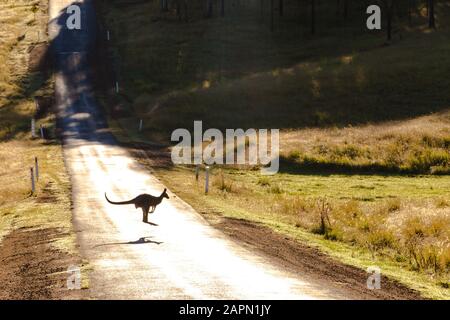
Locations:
{"points": [[348, 102]]}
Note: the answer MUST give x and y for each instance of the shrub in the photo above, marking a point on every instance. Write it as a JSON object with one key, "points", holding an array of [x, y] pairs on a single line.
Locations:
{"points": [[276, 189], [393, 205], [263, 181], [379, 239], [294, 155], [442, 203], [222, 184], [424, 160]]}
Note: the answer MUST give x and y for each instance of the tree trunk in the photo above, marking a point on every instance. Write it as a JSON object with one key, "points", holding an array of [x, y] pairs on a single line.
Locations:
{"points": [[389, 20], [222, 8], [186, 15], [178, 9], [313, 16], [164, 5], [431, 18], [410, 8], [209, 8], [271, 14], [261, 2], [281, 7], [345, 9]]}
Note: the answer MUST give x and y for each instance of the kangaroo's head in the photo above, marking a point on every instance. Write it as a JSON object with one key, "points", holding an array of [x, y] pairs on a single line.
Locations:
{"points": [[164, 194]]}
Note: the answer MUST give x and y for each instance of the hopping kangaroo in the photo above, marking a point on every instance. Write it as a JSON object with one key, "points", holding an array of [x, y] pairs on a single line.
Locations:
{"points": [[145, 202]]}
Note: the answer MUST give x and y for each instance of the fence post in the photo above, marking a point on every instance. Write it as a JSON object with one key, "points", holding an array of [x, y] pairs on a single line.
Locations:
{"points": [[117, 86], [33, 128], [42, 131], [33, 187], [36, 168], [197, 169], [36, 104], [140, 125], [206, 179]]}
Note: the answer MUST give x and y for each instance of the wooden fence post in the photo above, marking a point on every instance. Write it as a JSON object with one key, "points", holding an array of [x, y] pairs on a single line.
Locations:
{"points": [[33, 187], [36, 168], [197, 169], [206, 179], [42, 131], [33, 128]]}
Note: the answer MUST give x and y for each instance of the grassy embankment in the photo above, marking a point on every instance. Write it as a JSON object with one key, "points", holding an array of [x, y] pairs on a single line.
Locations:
{"points": [[346, 103], [23, 39]]}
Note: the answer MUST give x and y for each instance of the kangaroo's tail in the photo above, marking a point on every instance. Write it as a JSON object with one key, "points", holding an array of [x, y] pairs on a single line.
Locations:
{"points": [[123, 202]]}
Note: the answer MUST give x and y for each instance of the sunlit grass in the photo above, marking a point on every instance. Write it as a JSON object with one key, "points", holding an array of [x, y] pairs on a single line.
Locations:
{"points": [[375, 220]]}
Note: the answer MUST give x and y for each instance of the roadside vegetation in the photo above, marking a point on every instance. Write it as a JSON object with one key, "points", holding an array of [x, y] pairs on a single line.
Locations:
{"points": [[365, 122], [23, 76]]}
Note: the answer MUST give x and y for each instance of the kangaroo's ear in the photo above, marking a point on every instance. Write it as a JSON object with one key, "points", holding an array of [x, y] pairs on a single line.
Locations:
{"points": [[165, 189]]}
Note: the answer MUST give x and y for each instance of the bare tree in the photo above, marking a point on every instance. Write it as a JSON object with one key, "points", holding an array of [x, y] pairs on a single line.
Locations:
{"points": [[185, 5], [410, 9], [431, 17], [389, 8], [209, 8], [346, 5], [272, 8], [164, 5]]}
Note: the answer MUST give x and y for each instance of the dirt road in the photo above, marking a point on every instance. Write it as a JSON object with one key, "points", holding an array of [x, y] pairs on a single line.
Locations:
{"points": [[178, 256]]}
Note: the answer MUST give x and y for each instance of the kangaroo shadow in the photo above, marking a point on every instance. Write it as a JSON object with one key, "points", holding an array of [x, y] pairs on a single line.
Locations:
{"points": [[142, 240], [152, 224]]}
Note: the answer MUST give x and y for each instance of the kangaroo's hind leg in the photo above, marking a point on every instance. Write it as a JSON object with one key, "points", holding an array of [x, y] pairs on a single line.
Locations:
{"points": [[152, 209], [145, 213]]}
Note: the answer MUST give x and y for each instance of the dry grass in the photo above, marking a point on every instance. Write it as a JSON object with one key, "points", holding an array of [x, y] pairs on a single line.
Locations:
{"points": [[23, 25], [419, 145], [401, 221]]}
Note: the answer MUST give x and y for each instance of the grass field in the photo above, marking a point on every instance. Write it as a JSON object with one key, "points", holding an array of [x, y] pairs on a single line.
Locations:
{"points": [[365, 124], [233, 72], [395, 222], [22, 29]]}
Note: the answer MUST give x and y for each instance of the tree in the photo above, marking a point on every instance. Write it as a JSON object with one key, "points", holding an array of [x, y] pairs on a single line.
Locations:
{"points": [[178, 9], [313, 16], [346, 4], [271, 14], [186, 15], [389, 9], [209, 8], [431, 17], [164, 5], [281, 7], [410, 9]]}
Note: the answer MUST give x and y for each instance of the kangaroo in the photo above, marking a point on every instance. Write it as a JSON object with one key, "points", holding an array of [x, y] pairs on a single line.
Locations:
{"points": [[145, 202]]}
